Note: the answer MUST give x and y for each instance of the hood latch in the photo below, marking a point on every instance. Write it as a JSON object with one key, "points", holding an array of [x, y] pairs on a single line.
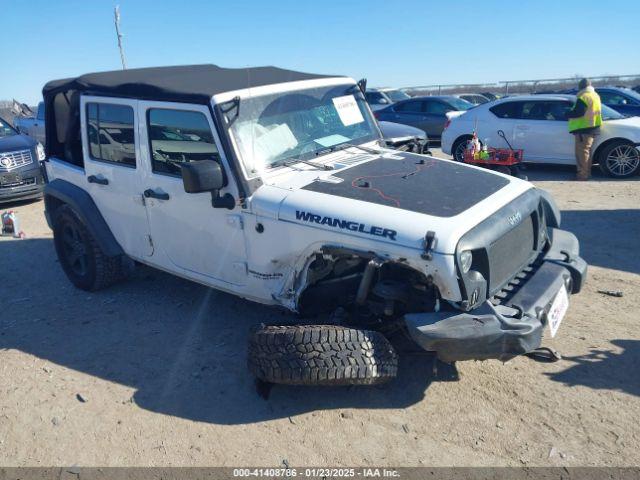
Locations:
{"points": [[429, 241]]}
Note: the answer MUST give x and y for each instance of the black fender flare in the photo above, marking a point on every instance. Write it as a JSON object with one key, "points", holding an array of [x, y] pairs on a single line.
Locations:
{"points": [[60, 191], [551, 210]]}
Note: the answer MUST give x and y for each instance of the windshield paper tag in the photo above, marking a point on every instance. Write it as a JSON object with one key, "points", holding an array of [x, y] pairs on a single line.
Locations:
{"points": [[331, 140], [348, 110]]}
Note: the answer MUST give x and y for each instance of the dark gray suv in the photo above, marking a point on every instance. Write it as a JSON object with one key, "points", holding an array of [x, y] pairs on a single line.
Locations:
{"points": [[20, 173]]}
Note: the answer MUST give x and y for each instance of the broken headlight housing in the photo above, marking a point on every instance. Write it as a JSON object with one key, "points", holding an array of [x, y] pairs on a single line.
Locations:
{"points": [[466, 259]]}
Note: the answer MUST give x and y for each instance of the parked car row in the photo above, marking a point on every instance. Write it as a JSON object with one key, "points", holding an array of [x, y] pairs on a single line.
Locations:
{"points": [[426, 113], [538, 125], [623, 100], [20, 157]]}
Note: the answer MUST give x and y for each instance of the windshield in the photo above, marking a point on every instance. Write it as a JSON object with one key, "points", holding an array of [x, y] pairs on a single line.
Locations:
{"points": [[460, 104], [396, 95], [270, 130], [6, 130], [609, 113]]}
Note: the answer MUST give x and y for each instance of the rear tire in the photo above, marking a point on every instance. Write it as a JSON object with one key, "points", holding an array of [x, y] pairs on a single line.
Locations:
{"points": [[459, 146], [80, 256], [321, 355], [619, 159]]}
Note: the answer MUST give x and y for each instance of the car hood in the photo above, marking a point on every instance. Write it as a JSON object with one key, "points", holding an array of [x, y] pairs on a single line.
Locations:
{"points": [[16, 142], [628, 127], [395, 198], [627, 122], [392, 130]]}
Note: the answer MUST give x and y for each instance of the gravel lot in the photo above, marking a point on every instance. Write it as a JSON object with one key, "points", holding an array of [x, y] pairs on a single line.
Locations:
{"points": [[152, 372]]}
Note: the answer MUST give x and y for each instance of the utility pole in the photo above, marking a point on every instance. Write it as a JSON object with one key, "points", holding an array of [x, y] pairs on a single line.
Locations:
{"points": [[117, 22]]}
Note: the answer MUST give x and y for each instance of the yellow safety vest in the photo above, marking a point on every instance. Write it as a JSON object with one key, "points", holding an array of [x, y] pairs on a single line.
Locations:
{"points": [[592, 117]]}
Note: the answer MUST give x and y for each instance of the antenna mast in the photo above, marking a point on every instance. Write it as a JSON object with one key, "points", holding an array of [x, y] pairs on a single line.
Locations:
{"points": [[116, 13]]}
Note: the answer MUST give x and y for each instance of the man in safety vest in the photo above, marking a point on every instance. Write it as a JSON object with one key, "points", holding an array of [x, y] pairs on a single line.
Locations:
{"points": [[584, 122]]}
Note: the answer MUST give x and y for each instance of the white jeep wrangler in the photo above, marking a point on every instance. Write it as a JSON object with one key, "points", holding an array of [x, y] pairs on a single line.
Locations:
{"points": [[275, 186]]}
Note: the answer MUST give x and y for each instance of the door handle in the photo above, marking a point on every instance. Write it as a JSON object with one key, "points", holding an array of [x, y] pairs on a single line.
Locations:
{"points": [[98, 180], [149, 193]]}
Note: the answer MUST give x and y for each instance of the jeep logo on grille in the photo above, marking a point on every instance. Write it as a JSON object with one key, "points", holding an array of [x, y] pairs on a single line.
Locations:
{"points": [[514, 219]]}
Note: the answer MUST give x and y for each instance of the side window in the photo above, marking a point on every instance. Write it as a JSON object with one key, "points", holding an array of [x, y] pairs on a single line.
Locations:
{"points": [[436, 108], [545, 110], [507, 110], [111, 133], [612, 98], [411, 106], [374, 97], [558, 110], [178, 136]]}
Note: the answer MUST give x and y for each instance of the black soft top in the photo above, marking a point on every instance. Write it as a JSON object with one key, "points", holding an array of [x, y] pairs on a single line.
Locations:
{"points": [[186, 83]]}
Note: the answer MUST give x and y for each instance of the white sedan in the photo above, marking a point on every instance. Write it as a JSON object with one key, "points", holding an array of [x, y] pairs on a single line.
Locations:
{"points": [[537, 124]]}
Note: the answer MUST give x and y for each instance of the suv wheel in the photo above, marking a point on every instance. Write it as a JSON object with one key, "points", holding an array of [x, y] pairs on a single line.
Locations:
{"points": [[620, 159], [321, 355], [80, 256], [459, 146]]}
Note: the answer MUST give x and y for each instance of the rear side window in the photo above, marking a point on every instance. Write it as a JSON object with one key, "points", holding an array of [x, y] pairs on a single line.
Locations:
{"points": [[436, 107], [411, 106], [507, 110], [111, 134], [178, 136], [613, 98]]}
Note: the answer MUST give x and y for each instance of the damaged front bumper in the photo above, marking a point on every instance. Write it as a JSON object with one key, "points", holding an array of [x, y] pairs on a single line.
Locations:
{"points": [[504, 331]]}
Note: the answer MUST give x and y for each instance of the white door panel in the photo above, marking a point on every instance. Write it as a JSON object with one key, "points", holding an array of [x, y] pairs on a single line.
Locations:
{"points": [[544, 141], [111, 183], [187, 232]]}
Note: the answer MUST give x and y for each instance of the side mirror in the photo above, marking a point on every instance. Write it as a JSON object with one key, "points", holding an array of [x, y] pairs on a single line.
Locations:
{"points": [[207, 176], [383, 101], [202, 176]]}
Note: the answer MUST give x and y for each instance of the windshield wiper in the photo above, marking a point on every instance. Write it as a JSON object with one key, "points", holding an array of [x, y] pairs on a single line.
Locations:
{"points": [[342, 146], [293, 161]]}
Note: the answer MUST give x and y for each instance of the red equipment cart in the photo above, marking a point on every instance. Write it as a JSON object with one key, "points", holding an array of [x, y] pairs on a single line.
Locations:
{"points": [[503, 160]]}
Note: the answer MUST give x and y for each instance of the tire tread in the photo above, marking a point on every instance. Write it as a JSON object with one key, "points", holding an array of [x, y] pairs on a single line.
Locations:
{"points": [[321, 355]]}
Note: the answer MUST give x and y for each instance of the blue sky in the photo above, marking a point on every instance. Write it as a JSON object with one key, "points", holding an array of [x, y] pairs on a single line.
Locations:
{"points": [[399, 43]]}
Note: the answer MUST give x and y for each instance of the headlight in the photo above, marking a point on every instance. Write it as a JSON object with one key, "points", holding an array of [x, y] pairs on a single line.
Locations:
{"points": [[40, 152], [466, 259]]}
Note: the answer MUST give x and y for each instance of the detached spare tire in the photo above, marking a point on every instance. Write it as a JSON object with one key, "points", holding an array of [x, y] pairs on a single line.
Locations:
{"points": [[321, 355]]}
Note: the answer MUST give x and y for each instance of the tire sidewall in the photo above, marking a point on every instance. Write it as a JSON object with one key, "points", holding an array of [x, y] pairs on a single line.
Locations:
{"points": [[456, 144], [66, 216]]}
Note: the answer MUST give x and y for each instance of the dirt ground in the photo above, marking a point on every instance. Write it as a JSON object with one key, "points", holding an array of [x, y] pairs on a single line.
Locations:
{"points": [[152, 371]]}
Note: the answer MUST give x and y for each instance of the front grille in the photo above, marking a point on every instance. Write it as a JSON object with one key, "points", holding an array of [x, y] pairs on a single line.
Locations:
{"points": [[20, 183], [506, 293], [12, 160], [510, 253]]}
